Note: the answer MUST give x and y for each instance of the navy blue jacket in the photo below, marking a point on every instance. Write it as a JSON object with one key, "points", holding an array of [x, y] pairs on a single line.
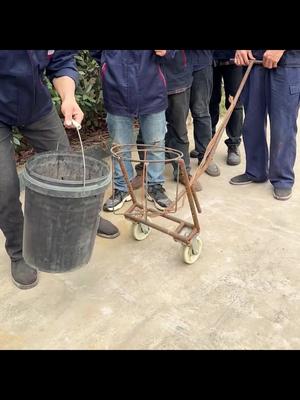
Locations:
{"points": [[199, 59], [223, 54], [177, 72], [290, 58], [24, 97], [133, 81]]}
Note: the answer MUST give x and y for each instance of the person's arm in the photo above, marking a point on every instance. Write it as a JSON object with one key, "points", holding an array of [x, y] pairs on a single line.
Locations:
{"points": [[271, 58], [63, 74], [65, 87], [242, 57]]}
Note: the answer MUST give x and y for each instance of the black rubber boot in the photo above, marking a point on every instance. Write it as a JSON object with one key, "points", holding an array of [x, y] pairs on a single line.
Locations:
{"points": [[107, 230], [23, 276]]}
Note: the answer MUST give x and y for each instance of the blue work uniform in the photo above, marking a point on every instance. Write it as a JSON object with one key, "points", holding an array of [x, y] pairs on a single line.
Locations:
{"points": [[275, 92]]}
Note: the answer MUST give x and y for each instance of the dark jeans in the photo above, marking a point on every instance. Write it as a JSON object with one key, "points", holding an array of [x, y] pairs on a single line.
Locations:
{"points": [[232, 76], [177, 133], [199, 104], [43, 135]]}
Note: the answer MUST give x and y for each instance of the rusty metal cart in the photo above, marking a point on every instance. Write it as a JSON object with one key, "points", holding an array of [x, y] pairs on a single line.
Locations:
{"points": [[187, 233]]}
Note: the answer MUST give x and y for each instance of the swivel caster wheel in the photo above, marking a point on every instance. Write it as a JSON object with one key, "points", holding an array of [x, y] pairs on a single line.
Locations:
{"points": [[192, 253], [140, 231]]}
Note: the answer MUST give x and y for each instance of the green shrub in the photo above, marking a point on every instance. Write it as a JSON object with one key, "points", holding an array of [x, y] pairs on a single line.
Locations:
{"points": [[17, 139], [88, 91]]}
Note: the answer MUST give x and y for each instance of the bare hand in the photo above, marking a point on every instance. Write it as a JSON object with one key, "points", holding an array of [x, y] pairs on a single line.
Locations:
{"points": [[160, 53], [271, 58], [71, 110], [243, 57]]}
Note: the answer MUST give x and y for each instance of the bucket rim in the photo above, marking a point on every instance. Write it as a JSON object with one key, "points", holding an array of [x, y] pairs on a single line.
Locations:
{"points": [[69, 183]]}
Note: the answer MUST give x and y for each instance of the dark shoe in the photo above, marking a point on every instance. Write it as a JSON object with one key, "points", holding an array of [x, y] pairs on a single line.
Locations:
{"points": [[282, 194], [107, 230], [194, 154], [156, 193], [234, 156], [196, 185], [242, 179], [23, 276], [212, 169], [137, 182], [116, 201]]}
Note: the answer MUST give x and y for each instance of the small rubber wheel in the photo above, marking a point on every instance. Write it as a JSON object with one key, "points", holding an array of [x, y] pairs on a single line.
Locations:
{"points": [[140, 231], [192, 253]]}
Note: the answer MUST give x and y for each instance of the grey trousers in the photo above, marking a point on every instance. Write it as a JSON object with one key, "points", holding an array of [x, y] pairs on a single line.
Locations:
{"points": [[43, 135]]}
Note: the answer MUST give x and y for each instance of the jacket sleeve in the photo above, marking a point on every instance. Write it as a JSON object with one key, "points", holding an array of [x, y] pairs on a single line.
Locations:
{"points": [[170, 54], [63, 63], [96, 55]]}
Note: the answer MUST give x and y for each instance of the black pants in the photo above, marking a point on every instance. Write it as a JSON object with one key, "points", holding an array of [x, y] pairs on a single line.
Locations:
{"points": [[232, 76], [177, 133], [199, 104], [43, 135]]}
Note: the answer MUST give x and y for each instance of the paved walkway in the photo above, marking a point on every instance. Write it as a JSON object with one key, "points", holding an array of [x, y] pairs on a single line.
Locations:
{"points": [[243, 293]]}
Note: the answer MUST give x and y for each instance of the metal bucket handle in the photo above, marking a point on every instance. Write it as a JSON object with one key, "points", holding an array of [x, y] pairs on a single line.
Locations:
{"points": [[77, 126]]}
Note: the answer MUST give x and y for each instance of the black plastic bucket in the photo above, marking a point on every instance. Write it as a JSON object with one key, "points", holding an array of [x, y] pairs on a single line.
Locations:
{"points": [[61, 210]]}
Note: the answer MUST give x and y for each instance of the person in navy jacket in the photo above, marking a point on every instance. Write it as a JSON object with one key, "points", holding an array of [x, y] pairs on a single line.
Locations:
{"points": [[273, 89], [178, 74], [25, 102], [179, 78], [134, 86]]}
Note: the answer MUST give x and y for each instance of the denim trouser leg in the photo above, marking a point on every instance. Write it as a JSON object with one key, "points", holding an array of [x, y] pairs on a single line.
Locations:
{"points": [[43, 135], [121, 131], [199, 104], [153, 127]]}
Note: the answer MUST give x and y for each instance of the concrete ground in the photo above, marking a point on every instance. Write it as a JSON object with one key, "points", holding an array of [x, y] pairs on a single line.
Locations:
{"points": [[243, 292]]}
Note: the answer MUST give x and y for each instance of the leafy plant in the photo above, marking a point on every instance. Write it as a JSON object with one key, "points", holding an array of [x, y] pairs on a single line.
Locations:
{"points": [[17, 139], [88, 91]]}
